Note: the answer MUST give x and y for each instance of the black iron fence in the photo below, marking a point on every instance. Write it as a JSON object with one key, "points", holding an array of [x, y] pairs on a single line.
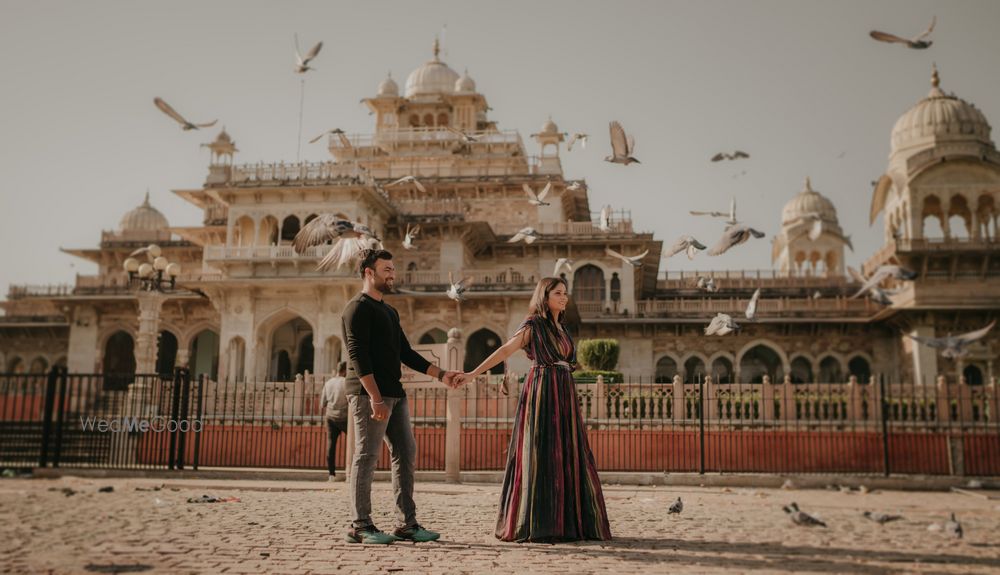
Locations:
{"points": [[878, 426]]}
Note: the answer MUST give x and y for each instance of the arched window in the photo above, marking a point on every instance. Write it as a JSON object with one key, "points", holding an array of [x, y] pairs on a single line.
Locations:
{"points": [[289, 227], [694, 369], [480, 345], [204, 354], [859, 368], [973, 375], [304, 359], [759, 361], [802, 371], [243, 231], [268, 234], [829, 370], [119, 361], [588, 285], [15, 365], [39, 365], [435, 335], [166, 353], [287, 338], [722, 370], [616, 287], [428, 120], [442, 119], [666, 369], [414, 121]]}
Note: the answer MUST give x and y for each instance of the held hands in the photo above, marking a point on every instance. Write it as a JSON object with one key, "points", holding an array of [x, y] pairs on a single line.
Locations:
{"points": [[454, 379]]}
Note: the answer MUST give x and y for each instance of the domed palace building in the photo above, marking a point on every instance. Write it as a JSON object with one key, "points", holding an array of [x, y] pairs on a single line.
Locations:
{"points": [[253, 309]]}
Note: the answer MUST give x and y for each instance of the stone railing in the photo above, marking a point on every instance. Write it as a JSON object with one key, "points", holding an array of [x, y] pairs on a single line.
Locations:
{"points": [[482, 279], [264, 253], [567, 228], [668, 279]]}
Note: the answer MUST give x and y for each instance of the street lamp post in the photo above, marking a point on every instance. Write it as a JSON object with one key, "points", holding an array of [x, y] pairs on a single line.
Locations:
{"points": [[153, 279]]}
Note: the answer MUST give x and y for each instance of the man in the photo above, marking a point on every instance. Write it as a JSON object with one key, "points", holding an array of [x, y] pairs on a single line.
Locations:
{"points": [[334, 404], [376, 345]]}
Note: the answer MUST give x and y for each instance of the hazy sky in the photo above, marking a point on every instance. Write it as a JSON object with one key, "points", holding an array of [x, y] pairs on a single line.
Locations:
{"points": [[795, 83]]}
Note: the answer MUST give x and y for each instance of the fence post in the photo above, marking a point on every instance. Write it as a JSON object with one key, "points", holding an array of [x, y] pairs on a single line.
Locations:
{"points": [[199, 419], [61, 411], [175, 408], [701, 426], [453, 412], [50, 402], [883, 404]]}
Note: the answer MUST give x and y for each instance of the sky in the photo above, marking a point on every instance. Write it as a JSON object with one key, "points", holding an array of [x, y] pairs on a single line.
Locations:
{"points": [[798, 84]]}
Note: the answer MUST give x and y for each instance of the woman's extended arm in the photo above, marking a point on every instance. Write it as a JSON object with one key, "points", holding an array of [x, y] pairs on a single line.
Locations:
{"points": [[515, 343]]}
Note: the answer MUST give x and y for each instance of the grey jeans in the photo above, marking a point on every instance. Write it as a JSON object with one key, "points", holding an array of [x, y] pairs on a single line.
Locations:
{"points": [[397, 432]]}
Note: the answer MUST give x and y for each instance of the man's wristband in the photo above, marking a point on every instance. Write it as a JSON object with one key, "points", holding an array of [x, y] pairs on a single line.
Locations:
{"points": [[440, 375]]}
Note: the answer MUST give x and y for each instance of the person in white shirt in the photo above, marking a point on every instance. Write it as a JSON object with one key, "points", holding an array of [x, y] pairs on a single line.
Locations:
{"points": [[334, 404]]}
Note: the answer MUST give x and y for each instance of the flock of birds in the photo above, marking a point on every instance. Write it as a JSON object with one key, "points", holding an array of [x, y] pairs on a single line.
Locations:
{"points": [[351, 238]]}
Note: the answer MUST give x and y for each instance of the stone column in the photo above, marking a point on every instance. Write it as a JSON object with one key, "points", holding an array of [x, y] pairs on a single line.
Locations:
{"points": [[925, 367], [150, 303], [453, 415]]}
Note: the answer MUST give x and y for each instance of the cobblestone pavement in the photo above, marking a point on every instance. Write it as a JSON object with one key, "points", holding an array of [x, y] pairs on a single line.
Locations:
{"points": [[298, 527]]}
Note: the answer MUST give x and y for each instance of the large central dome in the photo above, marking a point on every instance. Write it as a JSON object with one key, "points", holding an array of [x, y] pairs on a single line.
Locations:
{"points": [[939, 118], [434, 77]]}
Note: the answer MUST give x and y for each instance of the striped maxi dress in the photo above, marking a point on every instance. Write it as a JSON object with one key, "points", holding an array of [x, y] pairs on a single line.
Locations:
{"points": [[551, 491]]}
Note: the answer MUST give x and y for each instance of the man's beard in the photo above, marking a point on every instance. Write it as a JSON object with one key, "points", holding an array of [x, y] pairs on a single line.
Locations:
{"points": [[382, 285]]}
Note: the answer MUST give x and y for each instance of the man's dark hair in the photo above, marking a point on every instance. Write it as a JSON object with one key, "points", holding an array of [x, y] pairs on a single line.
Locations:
{"points": [[342, 368], [368, 258]]}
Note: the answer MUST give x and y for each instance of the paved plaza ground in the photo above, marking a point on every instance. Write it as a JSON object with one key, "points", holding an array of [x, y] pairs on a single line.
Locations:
{"points": [[147, 525]]}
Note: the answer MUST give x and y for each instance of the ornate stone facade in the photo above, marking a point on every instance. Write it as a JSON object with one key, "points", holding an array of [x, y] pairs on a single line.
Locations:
{"points": [[251, 308]]}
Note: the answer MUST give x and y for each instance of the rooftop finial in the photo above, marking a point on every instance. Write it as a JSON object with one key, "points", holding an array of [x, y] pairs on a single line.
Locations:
{"points": [[437, 47], [935, 78], [808, 187]]}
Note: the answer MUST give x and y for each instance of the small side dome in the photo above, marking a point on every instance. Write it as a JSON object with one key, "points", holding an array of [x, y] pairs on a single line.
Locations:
{"points": [[550, 127], [808, 202], [465, 84], [388, 88], [143, 218]]}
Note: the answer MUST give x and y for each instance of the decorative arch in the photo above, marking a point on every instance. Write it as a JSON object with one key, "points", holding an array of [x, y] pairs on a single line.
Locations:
{"points": [[204, 354], [959, 217], [15, 364], [986, 216], [801, 369], [860, 366], [589, 285], [267, 233], [694, 367], [761, 357], [433, 335], [244, 231], [118, 365], [39, 365], [273, 340], [289, 227], [166, 352], [667, 366], [831, 369], [479, 346], [931, 209], [973, 375]]}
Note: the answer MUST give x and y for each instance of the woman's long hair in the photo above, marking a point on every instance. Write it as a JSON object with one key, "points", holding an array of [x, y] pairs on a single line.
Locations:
{"points": [[539, 307]]}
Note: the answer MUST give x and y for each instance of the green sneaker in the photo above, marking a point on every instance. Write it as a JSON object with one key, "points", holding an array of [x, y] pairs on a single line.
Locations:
{"points": [[416, 533], [370, 536]]}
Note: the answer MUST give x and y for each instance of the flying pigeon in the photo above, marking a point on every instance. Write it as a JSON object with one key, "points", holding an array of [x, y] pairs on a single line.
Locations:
{"points": [[802, 518], [953, 527], [562, 263], [730, 216], [685, 244], [751, 311], [408, 180], [576, 185], [634, 261], [876, 294], [707, 284], [456, 291], [881, 518], [302, 64], [333, 131], [529, 235], [885, 272], [722, 324], [738, 154], [605, 219], [185, 125], [622, 146], [734, 236], [410, 234], [351, 239], [676, 507], [954, 346], [537, 199], [916, 43], [467, 138], [582, 138]]}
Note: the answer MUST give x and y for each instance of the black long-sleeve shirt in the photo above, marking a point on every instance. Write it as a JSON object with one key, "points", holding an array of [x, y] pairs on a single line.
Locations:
{"points": [[377, 345]]}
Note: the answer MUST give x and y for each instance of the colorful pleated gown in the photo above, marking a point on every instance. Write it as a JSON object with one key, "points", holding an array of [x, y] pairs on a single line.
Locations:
{"points": [[551, 491]]}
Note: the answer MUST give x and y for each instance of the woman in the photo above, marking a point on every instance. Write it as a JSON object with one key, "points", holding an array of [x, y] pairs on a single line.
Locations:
{"points": [[551, 491]]}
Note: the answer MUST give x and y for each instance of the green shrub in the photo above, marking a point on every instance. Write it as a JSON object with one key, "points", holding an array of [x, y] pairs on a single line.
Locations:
{"points": [[598, 354], [590, 376]]}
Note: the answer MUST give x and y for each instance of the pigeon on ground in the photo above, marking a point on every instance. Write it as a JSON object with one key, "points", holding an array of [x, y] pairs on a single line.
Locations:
{"points": [[953, 527], [916, 43], [185, 125], [676, 507], [622, 146], [685, 244], [529, 235], [562, 263], [408, 180], [802, 518], [722, 324], [885, 272], [411, 232], [456, 291], [954, 346], [539, 198], [734, 236], [881, 518], [634, 261], [302, 62], [352, 238], [738, 154], [751, 311], [577, 137]]}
